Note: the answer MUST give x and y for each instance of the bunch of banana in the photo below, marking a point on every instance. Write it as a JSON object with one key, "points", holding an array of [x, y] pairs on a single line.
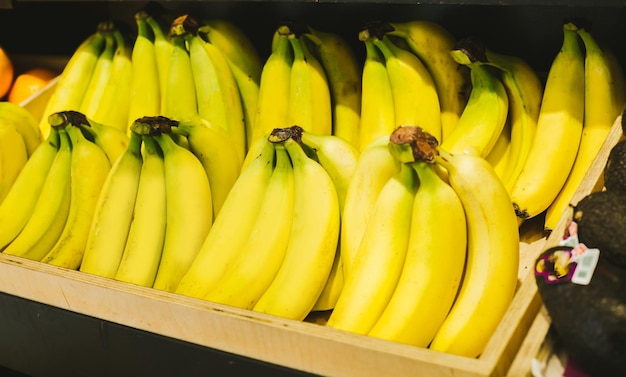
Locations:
{"points": [[19, 138], [277, 233], [49, 209]]}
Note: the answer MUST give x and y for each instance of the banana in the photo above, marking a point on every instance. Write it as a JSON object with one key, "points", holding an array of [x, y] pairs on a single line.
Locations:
{"points": [[492, 261], [432, 43], [25, 123], [144, 245], [113, 213], [244, 61], [273, 98], [145, 89], [216, 90], [433, 266], [500, 155], [559, 130], [485, 113], [114, 102], [162, 50], [309, 92], [374, 168], [51, 208], [236, 218], [189, 209], [602, 106], [13, 156], [343, 71], [219, 157], [112, 140], [90, 168], [379, 258], [312, 243], [258, 261], [74, 79], [413, 90], [377, 107], [101, 72], [18, 205]]}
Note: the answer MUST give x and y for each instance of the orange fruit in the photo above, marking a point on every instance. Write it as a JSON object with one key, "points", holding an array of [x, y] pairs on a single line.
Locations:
{"points": [[28, 83], [6, 72]]}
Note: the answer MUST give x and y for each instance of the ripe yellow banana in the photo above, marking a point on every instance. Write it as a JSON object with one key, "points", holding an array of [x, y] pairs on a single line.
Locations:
{"points": [[432, 43], [258, 261], [244, 61], [163, 51], [144, 245], [273, 99], [25, 123], [113, 213], [101, 74], [69, 89], [602, 106], [377, 107], [112, 140], [413, 90], [559, 130], [50, 211], [499, 156], [309, 92], [145, 89], [217, 94], [236, 218], [189, 211], [379, 258], [17, 207], [433, 267], [13, 156], [490, 276], [485, 113], [312, 242], [90, 168], [343, 71], [374, 168], [216, 151], [113, 107]]}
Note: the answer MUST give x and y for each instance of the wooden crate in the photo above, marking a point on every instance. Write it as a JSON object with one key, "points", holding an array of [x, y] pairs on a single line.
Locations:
{"points": [[307, 346]]}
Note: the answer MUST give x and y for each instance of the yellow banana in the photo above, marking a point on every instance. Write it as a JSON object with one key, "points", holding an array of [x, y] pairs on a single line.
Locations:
{"points": [[244, 61], [343, 71], [273, 99], [49, 214], [312, 243], [144, 245], [219, 157], [602, 106], [189, 211], [432, 43], [258, 261], [101, 72], [162, 50], [558, 134], [25, 123], [20, 202], [112, 140], [374, 168], [236, 218], [13, 156], [414, 95], [485, 113], [377, 107], [145, 89], [309, 92], [114, 102], [433, 266], [113, 213], [90, 168], [500, 155], [74, 79], [379, 258], [216, 90]]}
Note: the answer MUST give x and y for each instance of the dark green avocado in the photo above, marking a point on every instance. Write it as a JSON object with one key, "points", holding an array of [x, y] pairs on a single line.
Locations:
{"points": [[590, 320], [615, 168]]}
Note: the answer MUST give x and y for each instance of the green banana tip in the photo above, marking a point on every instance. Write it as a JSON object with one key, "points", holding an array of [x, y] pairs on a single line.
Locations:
{"points": [[412, 143], [64, 118], [469, 50], [153, 125]]}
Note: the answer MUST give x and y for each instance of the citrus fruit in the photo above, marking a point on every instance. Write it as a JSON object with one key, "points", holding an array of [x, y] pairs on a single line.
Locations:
{"points": [[6, 72], [28, 83]]}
